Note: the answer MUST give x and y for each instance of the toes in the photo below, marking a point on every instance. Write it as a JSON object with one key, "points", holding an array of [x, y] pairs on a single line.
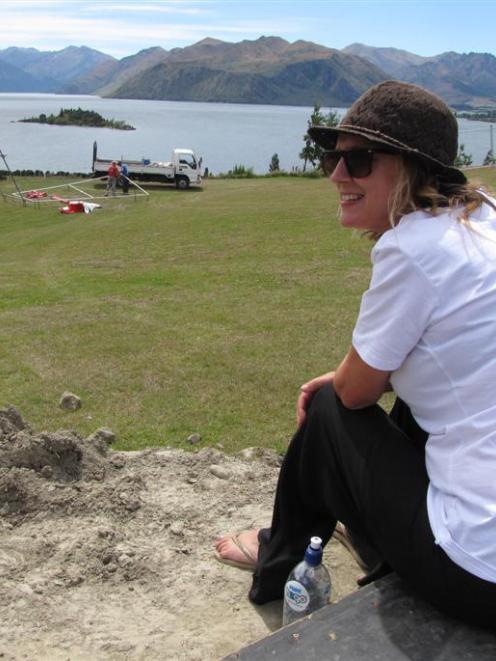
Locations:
{"points": [[222, 545], [226, 549]]}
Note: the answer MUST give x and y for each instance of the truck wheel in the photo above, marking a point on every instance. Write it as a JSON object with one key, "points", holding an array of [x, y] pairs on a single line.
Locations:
{"points": [[182, 183]]}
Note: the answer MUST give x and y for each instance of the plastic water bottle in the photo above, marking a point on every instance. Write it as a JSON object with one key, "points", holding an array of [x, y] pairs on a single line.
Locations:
{"points": [[308, 587]]}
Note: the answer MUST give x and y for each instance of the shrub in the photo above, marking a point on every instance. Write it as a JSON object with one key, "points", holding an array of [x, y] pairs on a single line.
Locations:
{"points": [[490, 159], [241, 171], [463, 159], [274, 165]]}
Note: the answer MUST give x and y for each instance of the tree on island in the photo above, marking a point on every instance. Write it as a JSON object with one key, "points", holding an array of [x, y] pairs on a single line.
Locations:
{"points": [[79, 117], [312, 152]]}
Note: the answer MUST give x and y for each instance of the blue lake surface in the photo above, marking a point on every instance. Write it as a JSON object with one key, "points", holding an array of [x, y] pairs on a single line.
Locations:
{"points": [[224, 134]]}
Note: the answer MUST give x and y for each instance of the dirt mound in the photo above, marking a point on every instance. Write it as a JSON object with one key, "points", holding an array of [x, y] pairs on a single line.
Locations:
{"points": [[108, 554]]}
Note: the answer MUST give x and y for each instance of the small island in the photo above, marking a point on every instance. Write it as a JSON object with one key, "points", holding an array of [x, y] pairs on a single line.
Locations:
{"points": [[79, 117]]}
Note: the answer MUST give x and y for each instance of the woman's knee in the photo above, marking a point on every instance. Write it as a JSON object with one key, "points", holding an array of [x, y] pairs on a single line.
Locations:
{"points": [[327, 411], [324, 400]]}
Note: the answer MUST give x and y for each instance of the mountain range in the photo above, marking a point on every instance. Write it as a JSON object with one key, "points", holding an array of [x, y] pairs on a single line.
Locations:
{"points": [[267, 70]]}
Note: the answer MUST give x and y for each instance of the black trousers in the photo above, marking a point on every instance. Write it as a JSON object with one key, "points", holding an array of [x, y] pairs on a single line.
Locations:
{"points": [[125, 185], [366, 469]]}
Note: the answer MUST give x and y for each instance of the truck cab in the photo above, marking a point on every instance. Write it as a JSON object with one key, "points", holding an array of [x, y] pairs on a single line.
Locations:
{"points": [[188, 169]]}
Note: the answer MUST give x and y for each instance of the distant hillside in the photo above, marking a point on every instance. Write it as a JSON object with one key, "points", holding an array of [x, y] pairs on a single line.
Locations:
{"points": [[391, 60], [106, 77], [464, 80], [213, 52], [268, 70], [20, 57], [295, 84], [95, 78], [13, 79], [265, 70], [48, 71], [65, 64]]}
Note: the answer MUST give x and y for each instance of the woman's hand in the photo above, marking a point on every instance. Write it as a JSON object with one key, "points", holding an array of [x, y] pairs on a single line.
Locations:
{"points": [[356, 384], [307, 391]]}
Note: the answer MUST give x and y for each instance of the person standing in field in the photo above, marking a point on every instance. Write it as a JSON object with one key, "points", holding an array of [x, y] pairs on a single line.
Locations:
{"points": [[124, 178], [113, 174]]}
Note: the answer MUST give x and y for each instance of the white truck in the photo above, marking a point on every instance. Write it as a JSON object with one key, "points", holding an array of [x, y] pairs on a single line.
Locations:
{"points": [[183, 170]]}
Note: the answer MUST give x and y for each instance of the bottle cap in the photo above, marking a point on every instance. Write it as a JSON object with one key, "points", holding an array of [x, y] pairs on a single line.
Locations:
{"points": [[313, 554], [315, 543]]}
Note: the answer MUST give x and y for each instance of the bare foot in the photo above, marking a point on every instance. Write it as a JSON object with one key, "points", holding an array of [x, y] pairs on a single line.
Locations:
{"points": [[239, 550]]}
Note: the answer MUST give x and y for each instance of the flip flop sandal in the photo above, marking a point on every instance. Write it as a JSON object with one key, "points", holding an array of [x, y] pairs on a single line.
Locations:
{"points": [[381, 570], [342, 535], [248, 564]]}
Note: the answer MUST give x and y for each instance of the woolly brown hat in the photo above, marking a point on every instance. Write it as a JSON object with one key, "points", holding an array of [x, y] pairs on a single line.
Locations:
{"points": [[405, 117]]}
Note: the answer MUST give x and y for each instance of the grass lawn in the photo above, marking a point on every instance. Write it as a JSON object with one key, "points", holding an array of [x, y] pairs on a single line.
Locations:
{"points": [[200, 311]]}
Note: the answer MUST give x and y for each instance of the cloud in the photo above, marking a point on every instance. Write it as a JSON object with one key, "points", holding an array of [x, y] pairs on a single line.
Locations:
{"points": [[173, 8], [132, 5], [116, 34]]}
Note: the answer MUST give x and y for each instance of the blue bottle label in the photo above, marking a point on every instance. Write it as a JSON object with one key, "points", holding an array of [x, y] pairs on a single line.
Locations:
{"points": [[296, 596]]}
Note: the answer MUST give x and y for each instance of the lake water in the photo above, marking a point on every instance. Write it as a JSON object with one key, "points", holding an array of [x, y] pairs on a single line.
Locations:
{"points": [[224, 134]]}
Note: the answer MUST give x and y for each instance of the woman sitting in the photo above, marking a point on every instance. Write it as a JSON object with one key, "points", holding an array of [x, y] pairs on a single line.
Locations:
{"points": [[415, 488]]}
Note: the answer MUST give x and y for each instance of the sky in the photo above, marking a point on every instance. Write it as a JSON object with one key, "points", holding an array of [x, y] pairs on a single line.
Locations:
{"points": [[124, 27]]}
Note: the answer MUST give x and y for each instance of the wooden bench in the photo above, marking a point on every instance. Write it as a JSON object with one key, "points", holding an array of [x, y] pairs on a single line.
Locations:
{"points": [[381, 622]]}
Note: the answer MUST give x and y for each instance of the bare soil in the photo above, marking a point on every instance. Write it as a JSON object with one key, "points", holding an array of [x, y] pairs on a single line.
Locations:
{"points": [[109, 555]]}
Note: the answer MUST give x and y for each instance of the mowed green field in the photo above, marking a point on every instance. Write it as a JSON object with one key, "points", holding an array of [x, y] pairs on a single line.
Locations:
{"points": [[199, 311]]}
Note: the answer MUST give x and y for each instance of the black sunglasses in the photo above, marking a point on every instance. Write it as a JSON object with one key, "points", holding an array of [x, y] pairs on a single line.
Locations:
{"points": [[358, 161]]}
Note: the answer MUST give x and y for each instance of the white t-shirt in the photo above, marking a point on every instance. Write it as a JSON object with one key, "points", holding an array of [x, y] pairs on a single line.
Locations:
{"points": [[429, 317]]}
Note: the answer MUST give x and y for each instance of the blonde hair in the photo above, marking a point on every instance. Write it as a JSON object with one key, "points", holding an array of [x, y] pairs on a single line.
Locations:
{"points": [[418, 188]]}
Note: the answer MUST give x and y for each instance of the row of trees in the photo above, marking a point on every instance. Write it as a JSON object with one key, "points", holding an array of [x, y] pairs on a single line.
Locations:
{"points": [[311, 152], [484, 116], [464, 160]]}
